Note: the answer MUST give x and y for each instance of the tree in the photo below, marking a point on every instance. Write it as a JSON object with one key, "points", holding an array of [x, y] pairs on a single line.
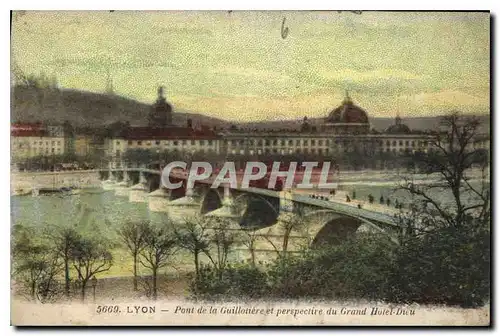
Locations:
{"points": [[452, 157], [64, 239], [133, 236], [223, 239], [250, 237], [193, 237], [445, 246], [35, 264], [90, 256], [159, 247]]}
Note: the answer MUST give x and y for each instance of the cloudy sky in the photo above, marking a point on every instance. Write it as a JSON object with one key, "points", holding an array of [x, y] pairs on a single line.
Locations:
{"points": [[237, 66]]}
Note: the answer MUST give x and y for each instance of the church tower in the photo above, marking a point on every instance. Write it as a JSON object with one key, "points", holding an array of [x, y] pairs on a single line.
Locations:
{"points": [[161, 111]]}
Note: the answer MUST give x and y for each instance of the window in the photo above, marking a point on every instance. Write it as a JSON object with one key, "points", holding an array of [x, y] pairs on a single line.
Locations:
{"points": [[268, 142], [282, 142], [251, 142], [407, 143], [313, 143], [413, 143], [53, 143], [202, 142], [157, 142], [259, 143], [59, 143], [388, 143], [320, 142], [290, 142], [118, 143], [275, 142], [297, 142], [394, 142], [305, 142], [139, 143], [148, 143], [401, 142], [130, 142], [176, 143]]}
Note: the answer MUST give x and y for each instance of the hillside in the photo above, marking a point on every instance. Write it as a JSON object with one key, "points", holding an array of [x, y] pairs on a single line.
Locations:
{"points": [[88, 108], [94, 109]]}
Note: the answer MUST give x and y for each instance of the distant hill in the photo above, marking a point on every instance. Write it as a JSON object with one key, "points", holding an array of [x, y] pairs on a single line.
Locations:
{"points": [[83, 108], [91, 109]]}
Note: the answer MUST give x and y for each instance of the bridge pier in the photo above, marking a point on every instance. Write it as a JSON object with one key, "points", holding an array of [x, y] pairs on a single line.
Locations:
{"points": [[228, 209], [184, 207], [121, 188], [138, 193], [110, 183], [159, 200]]}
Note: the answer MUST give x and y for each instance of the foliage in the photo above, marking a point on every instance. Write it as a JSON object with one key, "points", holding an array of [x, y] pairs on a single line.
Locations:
{"points": [[449, 266], [240, 280], [35, 266], [358, 267]]}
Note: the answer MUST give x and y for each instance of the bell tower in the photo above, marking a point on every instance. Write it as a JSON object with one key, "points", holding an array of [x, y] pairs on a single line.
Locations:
{"points": [[160, 115]]}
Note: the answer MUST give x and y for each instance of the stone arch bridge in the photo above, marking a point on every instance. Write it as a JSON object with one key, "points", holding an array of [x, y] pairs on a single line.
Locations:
{"points": [[275, 221]]}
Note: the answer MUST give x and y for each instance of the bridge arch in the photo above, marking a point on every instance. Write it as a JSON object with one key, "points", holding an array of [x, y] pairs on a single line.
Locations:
{"points": [[330, 227], [211, 201], [257, 211]]}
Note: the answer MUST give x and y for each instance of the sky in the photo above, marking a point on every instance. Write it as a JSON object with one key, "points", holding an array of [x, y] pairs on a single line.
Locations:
{"points": [[237, 66]]}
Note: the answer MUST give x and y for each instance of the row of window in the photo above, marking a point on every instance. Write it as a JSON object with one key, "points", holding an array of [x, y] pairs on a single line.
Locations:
{"points": [[312, 142], [41, 143], [166, 142], [319, 151]]}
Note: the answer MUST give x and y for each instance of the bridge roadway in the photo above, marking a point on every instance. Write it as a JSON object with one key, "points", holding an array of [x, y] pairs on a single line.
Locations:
{"points": [[337, 207]]}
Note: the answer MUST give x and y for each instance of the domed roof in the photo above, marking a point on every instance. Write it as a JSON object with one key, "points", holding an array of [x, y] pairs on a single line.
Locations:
{"points": [[348, 112], [398, 127]]}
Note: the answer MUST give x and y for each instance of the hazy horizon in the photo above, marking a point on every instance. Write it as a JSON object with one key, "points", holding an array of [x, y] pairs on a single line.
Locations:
{"points": [[237, 67]]}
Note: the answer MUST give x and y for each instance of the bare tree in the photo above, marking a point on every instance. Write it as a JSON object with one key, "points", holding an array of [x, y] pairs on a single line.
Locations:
{"points": [[64, 239], [250, 237], [90, 256], [133, 236], [452, 156], [35, 265], [287, 225], [194, 237], [160, 246], [223, 238]]}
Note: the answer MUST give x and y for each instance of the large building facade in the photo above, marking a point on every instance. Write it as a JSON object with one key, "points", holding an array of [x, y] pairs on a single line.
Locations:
{"points": [[32, 140], [345, 130]]}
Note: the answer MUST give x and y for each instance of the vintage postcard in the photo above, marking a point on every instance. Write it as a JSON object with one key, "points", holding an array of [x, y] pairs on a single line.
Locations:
{"points": [[292, 168]]}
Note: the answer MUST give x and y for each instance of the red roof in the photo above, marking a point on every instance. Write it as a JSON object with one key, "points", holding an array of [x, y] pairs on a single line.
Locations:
{"points": [[27, 129], [145, 133]]}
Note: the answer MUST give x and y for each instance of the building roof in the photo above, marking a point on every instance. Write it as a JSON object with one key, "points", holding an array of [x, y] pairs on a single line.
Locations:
{"points": [[174, 132], [348, 112], [27, 130], [398, 127]]}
